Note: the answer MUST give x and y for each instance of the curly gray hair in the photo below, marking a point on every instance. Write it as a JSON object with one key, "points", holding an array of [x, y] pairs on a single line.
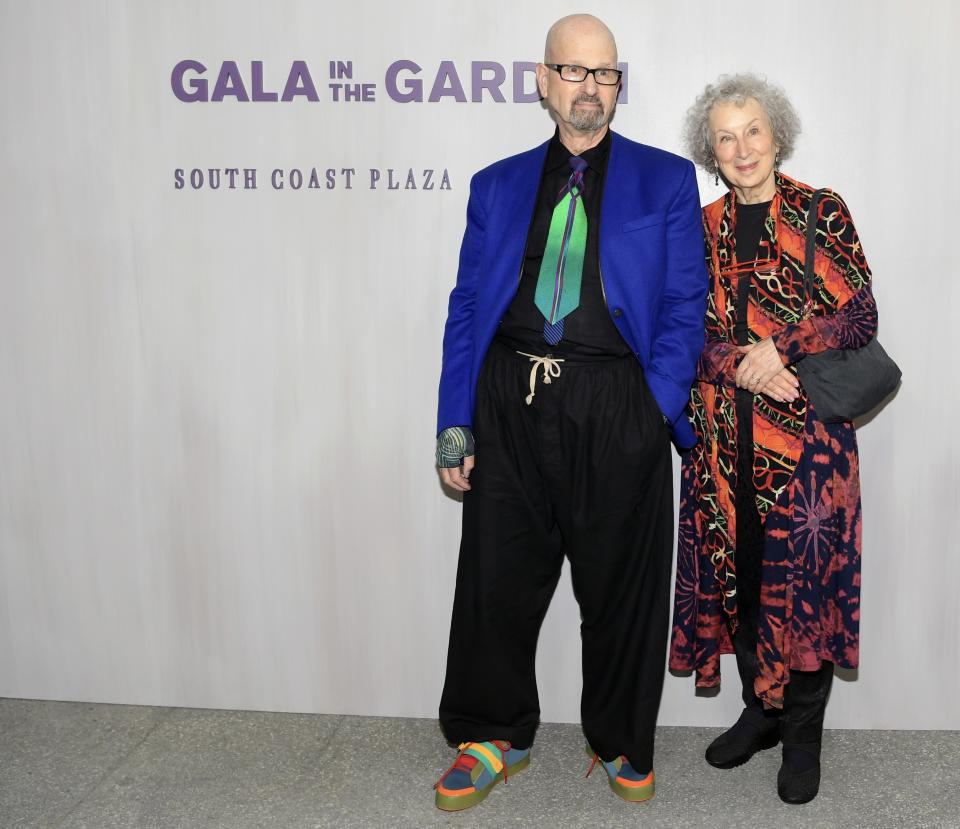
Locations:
{"points": [[784, 120]]}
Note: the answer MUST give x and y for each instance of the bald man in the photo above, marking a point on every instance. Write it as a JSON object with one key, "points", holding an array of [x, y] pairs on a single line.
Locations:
{"points": [[568, 356]]}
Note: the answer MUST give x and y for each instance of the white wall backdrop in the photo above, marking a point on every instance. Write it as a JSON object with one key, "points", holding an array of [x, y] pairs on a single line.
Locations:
{"points": [[216, 428]]}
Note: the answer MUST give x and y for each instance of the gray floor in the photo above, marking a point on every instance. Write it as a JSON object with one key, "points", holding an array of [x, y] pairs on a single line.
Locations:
{"points": [[104, 766]]}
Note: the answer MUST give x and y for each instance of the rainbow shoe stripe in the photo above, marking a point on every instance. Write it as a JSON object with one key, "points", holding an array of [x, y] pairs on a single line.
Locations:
{"points": [[625, 781], [475, 771]]}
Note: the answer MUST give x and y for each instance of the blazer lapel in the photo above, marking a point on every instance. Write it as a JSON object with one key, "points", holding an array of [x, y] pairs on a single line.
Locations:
{"points": [[623, 197], [520, 189]]}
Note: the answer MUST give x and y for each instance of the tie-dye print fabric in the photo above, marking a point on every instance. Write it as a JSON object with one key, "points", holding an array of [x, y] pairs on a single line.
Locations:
{"points": [[805, 472]]}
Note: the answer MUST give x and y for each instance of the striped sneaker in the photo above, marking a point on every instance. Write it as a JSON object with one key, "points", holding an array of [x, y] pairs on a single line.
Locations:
{"points": [[625, 781], [475, 771]]}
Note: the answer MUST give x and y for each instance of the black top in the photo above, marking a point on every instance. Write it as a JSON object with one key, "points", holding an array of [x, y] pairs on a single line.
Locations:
{"points": [[750, 219], [746, 235], [588, 331], [748, 556]]}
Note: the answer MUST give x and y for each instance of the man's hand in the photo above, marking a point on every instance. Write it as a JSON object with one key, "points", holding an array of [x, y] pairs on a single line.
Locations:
{"points": [[456, 456], [458, 477], [759, 366]]}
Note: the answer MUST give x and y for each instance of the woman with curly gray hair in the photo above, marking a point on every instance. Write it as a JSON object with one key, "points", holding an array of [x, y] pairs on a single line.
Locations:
{"points": [[768, 562]]}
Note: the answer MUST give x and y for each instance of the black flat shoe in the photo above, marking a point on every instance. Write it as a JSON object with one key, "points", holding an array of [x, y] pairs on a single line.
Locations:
{"points": [[751, 733], [798, 786]]}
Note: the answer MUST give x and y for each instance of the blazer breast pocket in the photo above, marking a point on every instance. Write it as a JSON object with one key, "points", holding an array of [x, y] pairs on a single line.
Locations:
{"points": [[649, 220]]}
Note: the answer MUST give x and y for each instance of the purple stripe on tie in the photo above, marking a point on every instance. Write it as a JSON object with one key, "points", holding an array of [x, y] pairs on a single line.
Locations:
{"points": [[558, 277], [574, 181], [553, 333]]}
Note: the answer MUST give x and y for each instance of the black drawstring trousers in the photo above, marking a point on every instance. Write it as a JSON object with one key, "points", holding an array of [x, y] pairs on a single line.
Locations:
{"points": [[584, 471]]}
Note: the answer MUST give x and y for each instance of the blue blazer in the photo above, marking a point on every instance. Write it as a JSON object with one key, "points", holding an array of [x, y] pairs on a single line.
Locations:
{"points": [[652, 269]]}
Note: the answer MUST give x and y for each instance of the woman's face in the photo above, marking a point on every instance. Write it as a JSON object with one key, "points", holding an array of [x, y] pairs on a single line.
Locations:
{"points": [[744, 147]]}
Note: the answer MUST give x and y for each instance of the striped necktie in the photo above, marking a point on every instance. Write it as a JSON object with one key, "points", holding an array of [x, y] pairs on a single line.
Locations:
{"points": [[561, 271]]}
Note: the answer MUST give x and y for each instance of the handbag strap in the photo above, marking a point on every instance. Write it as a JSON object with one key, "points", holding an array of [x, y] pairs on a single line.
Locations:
{"points": [[810, 251]]}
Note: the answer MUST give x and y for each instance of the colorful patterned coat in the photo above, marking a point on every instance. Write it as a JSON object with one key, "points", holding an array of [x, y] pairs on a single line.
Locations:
{"points": [[805, 472]]}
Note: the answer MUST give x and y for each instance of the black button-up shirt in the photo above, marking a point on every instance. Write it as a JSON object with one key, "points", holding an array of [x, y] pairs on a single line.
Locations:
{"points": [[588, 331]]}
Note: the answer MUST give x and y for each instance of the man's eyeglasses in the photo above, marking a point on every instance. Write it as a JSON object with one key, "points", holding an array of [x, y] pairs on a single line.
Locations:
{"points": [[575, 74]]}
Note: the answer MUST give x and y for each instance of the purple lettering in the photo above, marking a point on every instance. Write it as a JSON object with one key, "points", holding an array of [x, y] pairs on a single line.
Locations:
{"points": [[229, 82], [256, 77], [521, 68], [355, 91], [198, 85], [447, 74], [492, 85], [299, 72], [413, 87], [403, 81]]}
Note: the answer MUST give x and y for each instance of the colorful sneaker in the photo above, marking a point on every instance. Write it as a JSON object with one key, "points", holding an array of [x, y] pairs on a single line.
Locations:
{"points": [[476, 770], [625, 781]]}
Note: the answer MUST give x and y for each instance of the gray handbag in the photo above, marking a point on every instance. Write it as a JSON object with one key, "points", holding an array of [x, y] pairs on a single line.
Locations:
{"points": [[842, 383]]}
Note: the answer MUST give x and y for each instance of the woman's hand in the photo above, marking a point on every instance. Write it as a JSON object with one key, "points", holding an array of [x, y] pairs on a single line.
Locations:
{"points": [[761, 363], [782, 387]]}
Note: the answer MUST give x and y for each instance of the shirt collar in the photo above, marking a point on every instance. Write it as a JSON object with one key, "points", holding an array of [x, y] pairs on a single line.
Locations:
{"points": [[559, 156]]}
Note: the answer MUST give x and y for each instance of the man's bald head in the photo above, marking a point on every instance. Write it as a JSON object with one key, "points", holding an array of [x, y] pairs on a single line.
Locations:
{"points": [[574, 29], [581, 108]]}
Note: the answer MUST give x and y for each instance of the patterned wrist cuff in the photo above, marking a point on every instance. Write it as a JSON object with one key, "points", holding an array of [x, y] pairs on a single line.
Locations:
{"points": [[453, 444], [791, 341]]}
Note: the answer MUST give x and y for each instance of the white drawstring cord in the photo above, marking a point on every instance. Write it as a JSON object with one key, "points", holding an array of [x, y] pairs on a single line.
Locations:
{"points": [[551, 369]]}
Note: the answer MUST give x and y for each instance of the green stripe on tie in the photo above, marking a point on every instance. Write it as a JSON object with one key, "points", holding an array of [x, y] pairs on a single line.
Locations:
{"points": [[561, 270]]}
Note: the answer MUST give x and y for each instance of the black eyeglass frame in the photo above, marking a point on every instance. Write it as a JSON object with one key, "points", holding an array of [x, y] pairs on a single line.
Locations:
{"points": [[559, 67]]}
